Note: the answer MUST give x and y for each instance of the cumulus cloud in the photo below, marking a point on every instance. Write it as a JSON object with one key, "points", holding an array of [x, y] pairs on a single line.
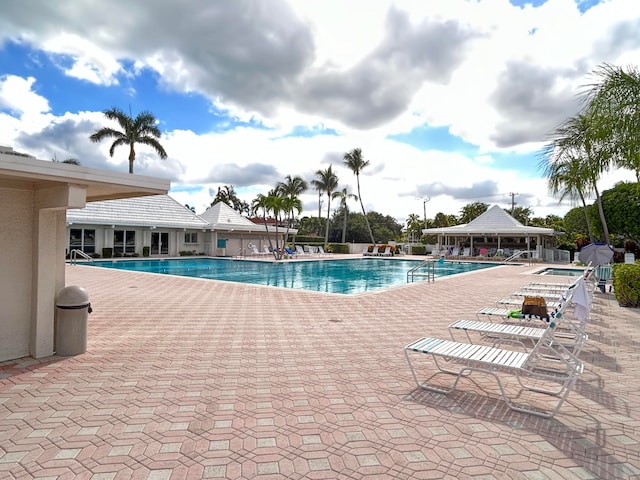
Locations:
{"points": [[498, 77]]}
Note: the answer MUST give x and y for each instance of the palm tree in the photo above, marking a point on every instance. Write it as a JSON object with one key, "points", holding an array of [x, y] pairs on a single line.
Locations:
{"points": [[415, 224], [319, 187], [614, 104], [266, 204], [356, 163], [564, 180], [344, 197], [290, 204], [577, 140], [329, 182], [292, 187], [142, 130]]}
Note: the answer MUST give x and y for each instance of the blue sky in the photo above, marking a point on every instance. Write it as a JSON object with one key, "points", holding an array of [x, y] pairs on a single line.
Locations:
{"points": [[448, 99]]}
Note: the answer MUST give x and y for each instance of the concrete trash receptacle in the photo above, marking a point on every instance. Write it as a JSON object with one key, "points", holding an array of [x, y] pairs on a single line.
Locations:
{"points": [[72, 315]]}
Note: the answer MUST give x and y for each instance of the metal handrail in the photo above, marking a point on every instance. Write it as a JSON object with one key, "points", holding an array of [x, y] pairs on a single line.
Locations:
{"points": [[73, 256], [430, 275], [517, 255]]}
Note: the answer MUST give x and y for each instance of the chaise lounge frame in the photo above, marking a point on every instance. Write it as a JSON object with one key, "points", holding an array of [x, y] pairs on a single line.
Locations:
{"points": [[547, 363]]}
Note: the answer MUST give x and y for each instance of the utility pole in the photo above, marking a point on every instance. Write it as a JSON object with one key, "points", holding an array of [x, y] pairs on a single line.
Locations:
{"points": [[513, 202], [424, 206]]}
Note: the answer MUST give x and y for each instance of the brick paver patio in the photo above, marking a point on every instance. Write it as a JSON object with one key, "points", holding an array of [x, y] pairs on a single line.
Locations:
{"points": [[189, 378]]}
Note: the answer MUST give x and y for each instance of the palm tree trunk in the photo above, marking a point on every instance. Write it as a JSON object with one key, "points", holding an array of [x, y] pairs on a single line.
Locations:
{"points": [[344, 224], [326, 228], [266, 227], [586, 216], [132, 157], [363, 212], [603, 220]]}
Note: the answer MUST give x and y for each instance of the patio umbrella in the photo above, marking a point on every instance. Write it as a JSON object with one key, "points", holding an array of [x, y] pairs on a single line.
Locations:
{"points": [[596, 254]]}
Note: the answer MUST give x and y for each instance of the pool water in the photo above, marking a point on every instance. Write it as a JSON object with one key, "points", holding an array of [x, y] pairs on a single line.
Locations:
{"points": [[565, 272], [331, 276]]}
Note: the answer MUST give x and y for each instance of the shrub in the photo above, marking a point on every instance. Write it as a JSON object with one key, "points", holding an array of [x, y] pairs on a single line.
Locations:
{"points": [[340, 247], [626, 284], [107, 252], [418, 250]]}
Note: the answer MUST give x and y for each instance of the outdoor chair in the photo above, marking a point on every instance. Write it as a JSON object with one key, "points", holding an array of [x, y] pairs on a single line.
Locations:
{"points": [[570, 330], [548, 369]]}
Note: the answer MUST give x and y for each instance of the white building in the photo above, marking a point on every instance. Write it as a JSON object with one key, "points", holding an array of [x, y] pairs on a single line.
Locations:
{"points": [[35, 196]]}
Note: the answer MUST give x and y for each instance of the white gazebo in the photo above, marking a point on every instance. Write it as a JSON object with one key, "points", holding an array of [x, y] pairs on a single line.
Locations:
{"points": [[495, 229]]}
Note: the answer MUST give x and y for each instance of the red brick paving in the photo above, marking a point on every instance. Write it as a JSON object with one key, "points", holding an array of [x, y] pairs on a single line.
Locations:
{"points": [[188, 378]]}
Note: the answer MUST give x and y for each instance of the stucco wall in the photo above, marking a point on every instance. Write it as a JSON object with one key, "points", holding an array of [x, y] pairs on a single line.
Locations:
{"points": [[16, 263]]}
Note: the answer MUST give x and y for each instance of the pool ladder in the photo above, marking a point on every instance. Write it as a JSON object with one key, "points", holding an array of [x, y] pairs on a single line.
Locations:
{"points": [[429, 274], [75, 253]]}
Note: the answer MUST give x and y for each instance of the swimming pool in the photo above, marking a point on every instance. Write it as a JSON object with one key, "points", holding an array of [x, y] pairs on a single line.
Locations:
{"points": [[331, 276], [564, 272]]}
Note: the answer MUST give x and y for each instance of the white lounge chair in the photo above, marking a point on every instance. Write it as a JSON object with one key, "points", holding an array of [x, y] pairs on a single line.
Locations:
{"points": [[573, 323], [300, 251], [547, 364], [386, 253]]}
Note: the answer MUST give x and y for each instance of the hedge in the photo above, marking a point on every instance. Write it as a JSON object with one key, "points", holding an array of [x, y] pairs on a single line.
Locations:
{"points": [[626, 284]]}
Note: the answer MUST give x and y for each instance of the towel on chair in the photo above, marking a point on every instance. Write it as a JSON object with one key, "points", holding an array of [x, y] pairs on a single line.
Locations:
{"points": [[581, 302]]}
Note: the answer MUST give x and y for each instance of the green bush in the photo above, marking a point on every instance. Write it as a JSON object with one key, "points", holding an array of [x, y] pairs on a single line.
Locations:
{"points": [[626, 284], [418, 250], [107, 252], [146, 251], [340, 247]]}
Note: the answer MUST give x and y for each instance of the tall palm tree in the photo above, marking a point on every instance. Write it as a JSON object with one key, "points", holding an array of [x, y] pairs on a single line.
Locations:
{"points": [[266, 204], [577, 140], [292, 187], [290, 205], [344, 196], [356, 163], [614, 104], [329, 182], [315, 183], [564, 179], [142, 130]]}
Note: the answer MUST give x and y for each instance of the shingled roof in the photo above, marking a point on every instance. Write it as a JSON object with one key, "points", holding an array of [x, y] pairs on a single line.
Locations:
{"points": [[154, 210]]}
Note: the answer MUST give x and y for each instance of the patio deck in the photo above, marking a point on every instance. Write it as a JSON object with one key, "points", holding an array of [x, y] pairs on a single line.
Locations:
{"points": [[189, 378]]}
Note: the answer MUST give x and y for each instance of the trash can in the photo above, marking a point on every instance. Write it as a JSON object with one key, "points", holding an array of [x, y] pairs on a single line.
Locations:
{"points": [[72, 315]]}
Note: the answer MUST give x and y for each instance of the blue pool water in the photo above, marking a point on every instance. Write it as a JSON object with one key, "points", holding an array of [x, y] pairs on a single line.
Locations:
{"points": [[565, 272], [332, 276]]}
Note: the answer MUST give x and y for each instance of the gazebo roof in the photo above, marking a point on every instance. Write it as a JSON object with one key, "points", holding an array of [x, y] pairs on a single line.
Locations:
{"points": [[495, 221]]}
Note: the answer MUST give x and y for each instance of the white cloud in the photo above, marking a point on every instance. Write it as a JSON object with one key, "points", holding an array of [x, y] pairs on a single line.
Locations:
{"points": [[497, 76]]}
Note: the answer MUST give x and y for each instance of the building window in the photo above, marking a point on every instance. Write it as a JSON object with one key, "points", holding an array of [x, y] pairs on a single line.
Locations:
{"points": [[191, 237], [124, 241], [83, 239]]}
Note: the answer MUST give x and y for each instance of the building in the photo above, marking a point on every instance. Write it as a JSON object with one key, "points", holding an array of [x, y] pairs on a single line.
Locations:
{"points": [[496, 230], [35, 196], [160, 226]]}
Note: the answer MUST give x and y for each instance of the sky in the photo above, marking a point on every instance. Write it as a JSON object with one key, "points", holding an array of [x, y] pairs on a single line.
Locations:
{"points": [[450, 101]]}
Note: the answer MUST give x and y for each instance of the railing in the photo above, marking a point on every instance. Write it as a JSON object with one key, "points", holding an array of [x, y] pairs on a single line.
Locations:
{"points": [[518, 254], [555, 255], [429, 274], [75, 253]]}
